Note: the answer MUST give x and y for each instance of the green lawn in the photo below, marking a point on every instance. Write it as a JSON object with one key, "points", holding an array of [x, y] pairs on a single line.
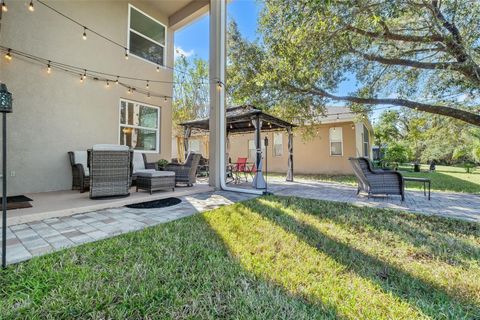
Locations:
{"points": [[271, 257], [446, 178]]}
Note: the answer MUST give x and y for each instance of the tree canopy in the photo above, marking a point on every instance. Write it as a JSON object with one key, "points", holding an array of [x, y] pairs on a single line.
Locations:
{"points": [[418, 54]]}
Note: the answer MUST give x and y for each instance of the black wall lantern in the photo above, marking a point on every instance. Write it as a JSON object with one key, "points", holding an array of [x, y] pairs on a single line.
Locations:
{"points": [[5, 107]]}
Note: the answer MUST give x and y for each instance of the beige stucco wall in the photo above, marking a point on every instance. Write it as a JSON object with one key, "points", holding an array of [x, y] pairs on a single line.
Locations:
{"points": [[311, 156], [55, 113]]}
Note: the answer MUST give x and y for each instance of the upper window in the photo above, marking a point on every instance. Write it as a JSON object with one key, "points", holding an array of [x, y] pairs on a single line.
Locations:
{"points": [[277, 144], [366, 142], [146, 37], [139, 126], [336, 141]]}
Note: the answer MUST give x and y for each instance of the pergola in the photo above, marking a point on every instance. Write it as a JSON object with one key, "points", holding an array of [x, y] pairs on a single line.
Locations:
{"points": [[248, 119]]}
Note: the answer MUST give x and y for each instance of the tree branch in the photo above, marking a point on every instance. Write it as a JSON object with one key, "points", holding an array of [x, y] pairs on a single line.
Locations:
{"points": [[397, 37], [459, 114]]}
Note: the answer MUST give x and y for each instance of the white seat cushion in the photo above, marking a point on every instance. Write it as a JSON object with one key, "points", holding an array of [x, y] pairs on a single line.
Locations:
{"points": [[144, 170], [138, 163], [80, 157], [110, 147], [156, 174]]}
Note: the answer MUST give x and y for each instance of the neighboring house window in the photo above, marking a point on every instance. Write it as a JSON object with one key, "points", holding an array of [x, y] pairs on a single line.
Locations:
{"points": [[194, 146], [139, 126], [366, 142], [336, 141], [146, 37], [277, 144], [252, 150]]}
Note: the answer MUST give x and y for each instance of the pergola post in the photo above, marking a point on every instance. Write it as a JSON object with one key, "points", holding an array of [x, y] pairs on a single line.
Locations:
{"points": [[187, 133], [258, 180], [290, 155]]}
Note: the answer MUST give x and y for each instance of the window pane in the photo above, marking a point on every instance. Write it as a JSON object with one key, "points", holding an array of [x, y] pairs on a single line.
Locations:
{"points": [[146, 49], [138, 139], [132, 114], [148, 117], [123, 112], [147, 26], [336, 148]]}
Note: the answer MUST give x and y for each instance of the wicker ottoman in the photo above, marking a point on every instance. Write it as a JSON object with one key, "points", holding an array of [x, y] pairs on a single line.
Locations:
{"points": [[156, 180]]}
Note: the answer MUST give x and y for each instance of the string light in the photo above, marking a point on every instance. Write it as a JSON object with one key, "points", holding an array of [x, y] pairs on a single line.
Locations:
{"points": [[129, 90], [158, 68], [83, 73], [219, 84], [30, 6], [148, 86], [4, 6], [8, 55], [84, 33], [165, 98], [231, 127], [126, 54]]}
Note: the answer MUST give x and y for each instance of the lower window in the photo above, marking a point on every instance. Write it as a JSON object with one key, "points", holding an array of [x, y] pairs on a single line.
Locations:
{"points": [[139, 126]]}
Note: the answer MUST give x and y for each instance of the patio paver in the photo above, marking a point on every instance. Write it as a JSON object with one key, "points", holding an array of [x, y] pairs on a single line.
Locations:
{"points": [[446, 204], [27, 240]]}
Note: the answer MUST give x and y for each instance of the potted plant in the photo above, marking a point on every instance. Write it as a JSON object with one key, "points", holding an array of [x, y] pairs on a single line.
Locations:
{"points": [[162, 163]]}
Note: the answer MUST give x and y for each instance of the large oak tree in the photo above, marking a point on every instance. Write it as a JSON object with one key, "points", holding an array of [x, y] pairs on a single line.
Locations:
{"points": [[418, 54]]}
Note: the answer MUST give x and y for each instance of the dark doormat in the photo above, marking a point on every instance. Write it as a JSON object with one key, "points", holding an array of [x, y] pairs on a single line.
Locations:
{"points": [[17, 202], [155, 204]]}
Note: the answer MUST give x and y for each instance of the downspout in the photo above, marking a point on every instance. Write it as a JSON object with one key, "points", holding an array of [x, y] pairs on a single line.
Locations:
{"points": [[221, 112]]}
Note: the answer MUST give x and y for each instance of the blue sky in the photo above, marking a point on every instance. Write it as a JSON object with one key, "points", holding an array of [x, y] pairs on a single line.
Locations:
{"points": [[193, 40]]}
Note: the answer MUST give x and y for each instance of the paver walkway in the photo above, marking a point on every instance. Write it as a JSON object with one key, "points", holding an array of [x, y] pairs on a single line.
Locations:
{"points": [[27, 240], [36, 238], [447, 204]]}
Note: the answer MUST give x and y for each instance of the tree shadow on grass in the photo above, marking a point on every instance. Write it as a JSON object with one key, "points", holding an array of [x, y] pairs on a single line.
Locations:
{"points": [[442, 237], [427, 297], [178, 270]]}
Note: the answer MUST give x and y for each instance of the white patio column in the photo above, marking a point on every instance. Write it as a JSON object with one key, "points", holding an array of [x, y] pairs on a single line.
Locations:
{"points": [[217, 59]]}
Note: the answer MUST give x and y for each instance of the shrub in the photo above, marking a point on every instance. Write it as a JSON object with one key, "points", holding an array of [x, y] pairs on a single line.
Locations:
{"points": [[395, 154]]}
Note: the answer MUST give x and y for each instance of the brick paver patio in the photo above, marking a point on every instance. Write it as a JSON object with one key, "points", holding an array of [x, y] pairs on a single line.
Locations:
{"points": [[36, 238], [447, 204]]}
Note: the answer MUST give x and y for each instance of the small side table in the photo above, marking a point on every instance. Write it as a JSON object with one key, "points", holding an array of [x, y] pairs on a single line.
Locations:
{"points": [[425, 181]]}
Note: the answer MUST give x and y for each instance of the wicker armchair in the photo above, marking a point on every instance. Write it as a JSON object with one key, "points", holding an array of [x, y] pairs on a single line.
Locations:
{"points": [[80, 171], [110, 170], [187, 172], [373, 181]]}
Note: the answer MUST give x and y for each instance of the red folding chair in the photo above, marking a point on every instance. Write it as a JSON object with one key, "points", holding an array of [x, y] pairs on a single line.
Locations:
{"points": [[240, 168]]}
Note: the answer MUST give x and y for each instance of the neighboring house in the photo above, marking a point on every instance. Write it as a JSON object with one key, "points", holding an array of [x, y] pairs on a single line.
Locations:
{"points": [[340, 135], [55, 112]]}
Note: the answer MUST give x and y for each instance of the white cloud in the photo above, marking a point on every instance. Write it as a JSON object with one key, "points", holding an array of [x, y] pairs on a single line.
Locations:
{"points": [[180, 52]]}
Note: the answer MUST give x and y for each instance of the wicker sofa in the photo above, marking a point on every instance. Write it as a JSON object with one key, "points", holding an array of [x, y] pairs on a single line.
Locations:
{"points": [[371, 181], [80, 170], [110, 170], [187, 172]]}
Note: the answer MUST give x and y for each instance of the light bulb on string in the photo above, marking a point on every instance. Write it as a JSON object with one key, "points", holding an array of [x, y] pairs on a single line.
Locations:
{"points": [[219, 84], [30, 6], [108, 84], [49, 69], [84, 36], [126, 54], [81, 78], [4, 6], [116, 81], [148, 85], [158, 68], [8, 55], [129, 90]]}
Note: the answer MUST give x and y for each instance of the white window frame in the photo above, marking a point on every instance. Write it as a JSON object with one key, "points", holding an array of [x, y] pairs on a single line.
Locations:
{"points": [[157, 147], [281, 149], [330, 140], [145, 37]]}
